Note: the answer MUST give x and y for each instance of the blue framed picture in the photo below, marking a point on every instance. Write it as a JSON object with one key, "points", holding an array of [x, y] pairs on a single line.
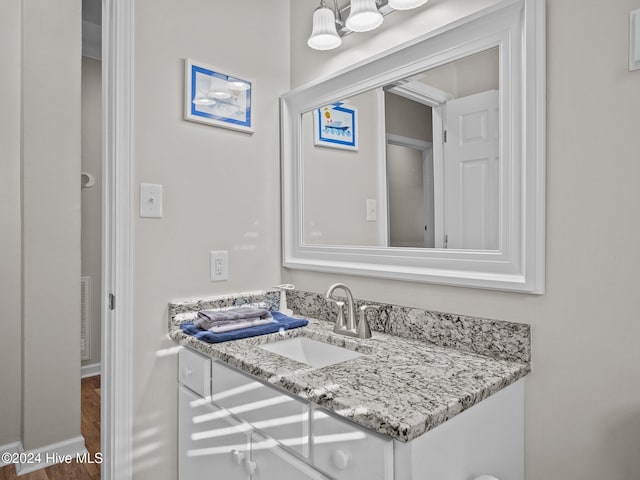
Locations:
{"points": [[336, 126], [217, 98]]}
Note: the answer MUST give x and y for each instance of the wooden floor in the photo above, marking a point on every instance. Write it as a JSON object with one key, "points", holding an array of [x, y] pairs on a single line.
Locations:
{"points": [[90, 430]]}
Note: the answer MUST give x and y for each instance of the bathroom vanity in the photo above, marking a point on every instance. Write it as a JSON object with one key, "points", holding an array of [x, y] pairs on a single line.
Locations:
{"points": [[385, 408]]}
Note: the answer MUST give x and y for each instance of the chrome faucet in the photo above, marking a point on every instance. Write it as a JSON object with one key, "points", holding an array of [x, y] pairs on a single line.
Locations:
{"points": [[349, 327]]}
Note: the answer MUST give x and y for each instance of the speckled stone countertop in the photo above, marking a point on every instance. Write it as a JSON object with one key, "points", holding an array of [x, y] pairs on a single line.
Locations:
{"points": [[400, 387]]}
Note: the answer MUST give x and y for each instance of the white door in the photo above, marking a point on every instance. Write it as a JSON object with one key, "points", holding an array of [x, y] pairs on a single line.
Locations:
{"points": [[471, 172]]}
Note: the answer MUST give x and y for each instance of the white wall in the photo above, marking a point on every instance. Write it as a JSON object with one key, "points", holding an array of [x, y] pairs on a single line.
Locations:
{"points": [[40, 217], [92, 196], [407, 118], [10, 232], [467, 76], [221, 187], [478, 73], [51, 49], [583, 397], [408, 214]]}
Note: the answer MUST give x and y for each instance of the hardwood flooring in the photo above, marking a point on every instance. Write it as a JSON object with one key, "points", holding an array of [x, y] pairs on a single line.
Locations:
{"points": [[90, 426]]}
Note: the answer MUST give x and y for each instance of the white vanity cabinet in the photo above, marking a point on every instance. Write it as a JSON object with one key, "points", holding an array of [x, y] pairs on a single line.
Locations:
{"points": [[270, 462], [216, 446], [234, 426], [275, 413], [348, 452], [218, 436], [210, 445], [487, 439]]}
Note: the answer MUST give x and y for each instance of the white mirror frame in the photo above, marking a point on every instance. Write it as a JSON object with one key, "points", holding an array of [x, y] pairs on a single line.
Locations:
{"points": [[518, 28]]}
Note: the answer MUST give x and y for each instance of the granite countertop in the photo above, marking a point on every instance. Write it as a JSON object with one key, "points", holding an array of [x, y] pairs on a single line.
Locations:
{"points": [[399, 387]]}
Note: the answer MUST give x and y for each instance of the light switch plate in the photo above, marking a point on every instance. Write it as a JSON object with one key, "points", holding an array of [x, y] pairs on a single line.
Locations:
{"points": [[150, 200], [372, 210], [634, 40]]}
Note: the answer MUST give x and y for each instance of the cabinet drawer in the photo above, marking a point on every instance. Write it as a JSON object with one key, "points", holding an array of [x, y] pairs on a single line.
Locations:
{"points": [[194, 371], [210, 446], [348, 452], [275, 413]]}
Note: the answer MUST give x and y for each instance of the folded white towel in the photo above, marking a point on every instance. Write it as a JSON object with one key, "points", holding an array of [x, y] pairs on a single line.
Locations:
{"points": [[220, 327]]}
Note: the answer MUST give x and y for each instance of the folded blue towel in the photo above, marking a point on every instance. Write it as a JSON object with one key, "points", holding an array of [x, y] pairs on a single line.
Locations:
{"points": [[280, 322]]}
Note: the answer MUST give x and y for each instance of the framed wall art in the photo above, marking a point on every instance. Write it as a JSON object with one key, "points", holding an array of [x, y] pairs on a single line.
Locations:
{"points": [[336, 126], [217, 98]]}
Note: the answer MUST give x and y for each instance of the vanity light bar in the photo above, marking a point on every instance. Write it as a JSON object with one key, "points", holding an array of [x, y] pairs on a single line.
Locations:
{"points": [[319, 38]]}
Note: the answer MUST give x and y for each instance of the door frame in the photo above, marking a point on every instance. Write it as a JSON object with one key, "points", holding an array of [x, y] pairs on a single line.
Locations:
{"points": [[436, 99], [116, 418], [426, 149]]}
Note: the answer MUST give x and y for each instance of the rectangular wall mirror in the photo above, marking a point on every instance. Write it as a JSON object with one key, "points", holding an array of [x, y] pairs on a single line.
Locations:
{"points": [[419, 196], [438, 176]]}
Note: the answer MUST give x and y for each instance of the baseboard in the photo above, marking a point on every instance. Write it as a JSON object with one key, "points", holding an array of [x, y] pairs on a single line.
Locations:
{"points": [[59, 452], [10, 448], [90, 370]]}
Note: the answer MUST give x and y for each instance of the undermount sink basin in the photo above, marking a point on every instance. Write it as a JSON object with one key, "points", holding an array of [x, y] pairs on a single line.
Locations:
{"points": [[311, 352]]}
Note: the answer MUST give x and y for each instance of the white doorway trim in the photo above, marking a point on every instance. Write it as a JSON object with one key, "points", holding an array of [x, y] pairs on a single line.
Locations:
{"points": [[116, 381], [381, 154], [426, 152], [436, 99]]}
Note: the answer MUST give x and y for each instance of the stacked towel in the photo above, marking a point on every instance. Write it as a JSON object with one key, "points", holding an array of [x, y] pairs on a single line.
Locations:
{"points": [[280, 322], [220, 327], [230, 319]]}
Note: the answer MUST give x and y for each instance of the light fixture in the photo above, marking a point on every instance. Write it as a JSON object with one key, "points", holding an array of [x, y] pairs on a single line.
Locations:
{"points": [[364, 16], [237, 86], [406, 4], [203, 100], [219, 94], [324, 35]]}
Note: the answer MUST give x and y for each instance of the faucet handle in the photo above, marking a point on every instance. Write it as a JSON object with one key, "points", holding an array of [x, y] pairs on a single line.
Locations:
{"points": [[340, 321], [363, 326]]}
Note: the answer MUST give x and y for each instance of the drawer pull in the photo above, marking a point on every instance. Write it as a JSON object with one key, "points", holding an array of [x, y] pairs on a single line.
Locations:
{"points": [[187, 372], [486, 477], [341, 459], [237, 456], [250, 467]]}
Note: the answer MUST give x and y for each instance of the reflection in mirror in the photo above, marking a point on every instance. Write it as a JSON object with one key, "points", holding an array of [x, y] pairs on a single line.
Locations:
{"points": [[425, 171]]}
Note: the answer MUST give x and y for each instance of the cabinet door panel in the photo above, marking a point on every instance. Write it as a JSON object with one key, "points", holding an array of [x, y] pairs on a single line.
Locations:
{"points": [[348, 452], [270, 462], [268, 409], [210, 446]]}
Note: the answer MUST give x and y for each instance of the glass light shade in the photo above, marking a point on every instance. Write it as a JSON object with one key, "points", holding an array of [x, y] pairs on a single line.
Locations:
{"points": [[204, 101], [219, 94], [236, 85], [364, 16], [324, 35], [406, 4]]}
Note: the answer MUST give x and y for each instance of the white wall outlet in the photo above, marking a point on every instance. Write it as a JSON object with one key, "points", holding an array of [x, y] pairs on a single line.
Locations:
{"points": [[150, 200], [372, 210], [219, 264]]}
